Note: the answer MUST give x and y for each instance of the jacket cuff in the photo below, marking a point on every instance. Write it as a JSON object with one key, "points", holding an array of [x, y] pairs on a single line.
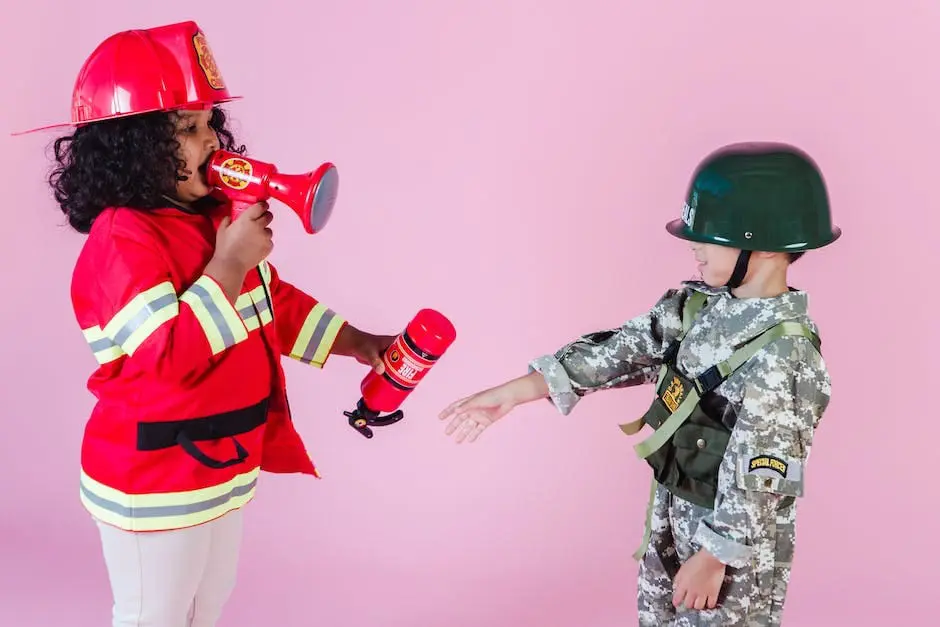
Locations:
{"points": [[314, 343], [561, 394], [726, 551]]}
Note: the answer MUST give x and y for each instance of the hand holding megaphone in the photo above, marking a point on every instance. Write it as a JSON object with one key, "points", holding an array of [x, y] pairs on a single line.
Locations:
{"points": [[249, 181], [248, 240]]}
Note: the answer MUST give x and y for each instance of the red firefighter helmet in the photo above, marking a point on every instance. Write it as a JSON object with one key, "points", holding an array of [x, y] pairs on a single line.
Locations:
{"points": [[141, 71]]}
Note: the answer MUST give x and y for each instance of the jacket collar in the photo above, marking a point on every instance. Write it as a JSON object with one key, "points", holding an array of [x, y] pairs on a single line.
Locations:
{"points": [[741, 319]]}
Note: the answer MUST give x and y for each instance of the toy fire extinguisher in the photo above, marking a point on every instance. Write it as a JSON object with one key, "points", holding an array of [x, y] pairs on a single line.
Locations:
{"points": [[407, 361]]}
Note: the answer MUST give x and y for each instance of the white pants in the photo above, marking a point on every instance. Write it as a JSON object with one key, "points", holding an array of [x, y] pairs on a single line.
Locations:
{"points": [[178, 578]]}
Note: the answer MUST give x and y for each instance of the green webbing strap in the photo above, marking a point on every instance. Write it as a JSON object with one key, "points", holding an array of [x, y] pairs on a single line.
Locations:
{"points": [[648, 528], [776, 332], [633, 427], [662, 435], [693, 305]]}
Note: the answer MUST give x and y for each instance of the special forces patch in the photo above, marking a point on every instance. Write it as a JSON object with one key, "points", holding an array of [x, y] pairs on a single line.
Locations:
{"points": [[769, 462], [770, 473]]}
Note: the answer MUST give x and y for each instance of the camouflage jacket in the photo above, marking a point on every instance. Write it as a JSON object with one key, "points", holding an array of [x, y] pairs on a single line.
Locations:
{"points": [[777, 398]]}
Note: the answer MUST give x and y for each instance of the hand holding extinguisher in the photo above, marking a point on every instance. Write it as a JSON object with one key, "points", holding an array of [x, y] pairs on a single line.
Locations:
{"points": [[407, 360]]}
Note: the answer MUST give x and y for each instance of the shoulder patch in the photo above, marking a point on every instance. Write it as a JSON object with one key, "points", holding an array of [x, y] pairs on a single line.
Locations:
{"points": [[769, 463]]}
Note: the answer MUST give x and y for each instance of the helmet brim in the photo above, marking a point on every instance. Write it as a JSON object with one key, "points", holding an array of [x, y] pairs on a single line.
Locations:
{"points": [[678, 228], [73, 125]]}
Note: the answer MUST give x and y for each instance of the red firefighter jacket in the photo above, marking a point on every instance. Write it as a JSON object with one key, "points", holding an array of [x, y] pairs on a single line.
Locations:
{"points": [[191, 399]]}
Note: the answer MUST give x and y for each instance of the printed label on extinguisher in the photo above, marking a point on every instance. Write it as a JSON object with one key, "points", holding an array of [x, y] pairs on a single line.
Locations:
{"points": [[404, 368]]}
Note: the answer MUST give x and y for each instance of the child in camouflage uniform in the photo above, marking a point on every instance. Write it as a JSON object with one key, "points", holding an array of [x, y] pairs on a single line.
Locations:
{"points": [[741, 386]]}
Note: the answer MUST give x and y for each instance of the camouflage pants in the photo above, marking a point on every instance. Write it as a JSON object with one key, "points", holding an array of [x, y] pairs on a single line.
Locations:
{"points": [[751, 596]]}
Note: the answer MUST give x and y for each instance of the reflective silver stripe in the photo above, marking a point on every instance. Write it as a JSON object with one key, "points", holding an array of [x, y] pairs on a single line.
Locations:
{"points": [[103, 344], [317, 335], [266, 279], [168, 510], [146, 312], [262, 306], [142, 316], [247, 312], [318, 332], [253, 308], [103, 347], [217, 318]]}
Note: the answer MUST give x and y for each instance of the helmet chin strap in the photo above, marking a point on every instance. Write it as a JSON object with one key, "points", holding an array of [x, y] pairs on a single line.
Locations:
{"points": [[740, 270]]}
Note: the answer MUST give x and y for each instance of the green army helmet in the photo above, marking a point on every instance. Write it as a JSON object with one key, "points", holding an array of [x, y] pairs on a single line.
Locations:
{"points": [[757, 196]]}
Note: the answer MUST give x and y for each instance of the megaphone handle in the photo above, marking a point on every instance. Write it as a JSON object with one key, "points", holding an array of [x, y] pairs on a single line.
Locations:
{"points": [[238, 207]]}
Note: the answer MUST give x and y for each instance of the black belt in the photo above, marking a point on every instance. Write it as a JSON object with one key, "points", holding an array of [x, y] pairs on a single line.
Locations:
{"points": [[154, 436]]}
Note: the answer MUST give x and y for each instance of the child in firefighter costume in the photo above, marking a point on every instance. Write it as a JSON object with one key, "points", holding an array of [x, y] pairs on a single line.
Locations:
{"points": [[188, 322], [740, 388]]}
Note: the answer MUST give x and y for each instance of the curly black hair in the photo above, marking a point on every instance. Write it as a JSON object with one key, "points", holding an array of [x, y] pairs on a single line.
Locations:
{"points": [[128, 162]]}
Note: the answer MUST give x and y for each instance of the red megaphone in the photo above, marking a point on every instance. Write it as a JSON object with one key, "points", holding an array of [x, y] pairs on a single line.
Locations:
{"points": [[247, 181]]}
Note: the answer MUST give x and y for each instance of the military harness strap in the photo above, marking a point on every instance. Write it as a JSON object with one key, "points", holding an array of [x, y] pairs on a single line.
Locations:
{"points": [[712, 378], [693, 304], [692, 394]]}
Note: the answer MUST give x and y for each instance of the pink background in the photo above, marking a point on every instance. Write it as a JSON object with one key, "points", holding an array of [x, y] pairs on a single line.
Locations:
{"points": [[511, 163]]}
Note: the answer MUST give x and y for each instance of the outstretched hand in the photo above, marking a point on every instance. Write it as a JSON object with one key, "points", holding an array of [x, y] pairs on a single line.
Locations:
{"points": [[470, 416]]}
